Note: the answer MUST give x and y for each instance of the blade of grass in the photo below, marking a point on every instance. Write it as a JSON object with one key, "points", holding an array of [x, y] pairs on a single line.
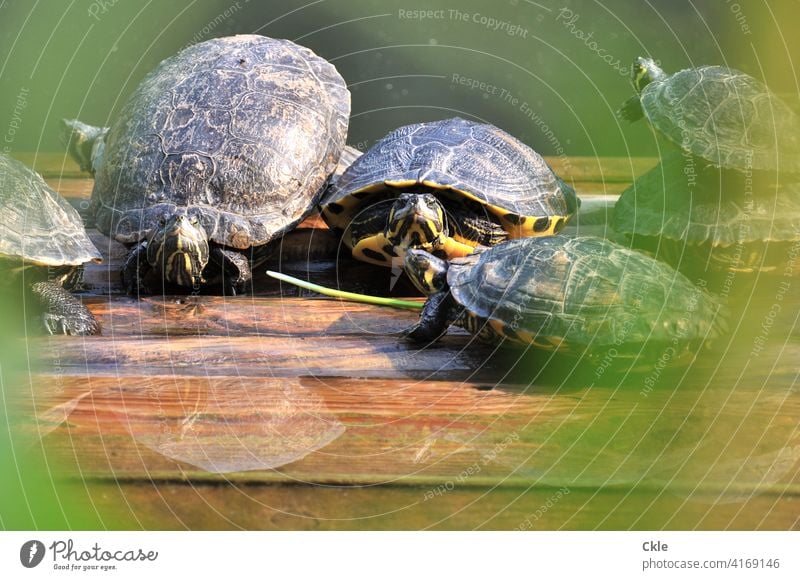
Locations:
{"points": [[349, 296]]}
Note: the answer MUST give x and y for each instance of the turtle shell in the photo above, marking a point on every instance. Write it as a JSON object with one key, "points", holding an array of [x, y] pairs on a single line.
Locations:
{"points": [[241, 131], [686, 211], [37, 225], [461, 158], [578, 293], [726, 117], [679, 200]]}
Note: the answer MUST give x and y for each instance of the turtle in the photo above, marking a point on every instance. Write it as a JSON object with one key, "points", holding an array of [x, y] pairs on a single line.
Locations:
{"points": [[86, 145], [574, 294], [721, 115], [43, 243], [447, 187], [703, 219], [222, 148]]}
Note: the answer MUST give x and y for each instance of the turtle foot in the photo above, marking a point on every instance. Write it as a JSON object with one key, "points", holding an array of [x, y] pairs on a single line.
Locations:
{"points": [[63, 312], [75, 325], [631, 110]]}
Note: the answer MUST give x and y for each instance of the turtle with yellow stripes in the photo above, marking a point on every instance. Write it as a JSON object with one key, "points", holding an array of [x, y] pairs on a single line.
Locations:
{"points": [[445, 187], [575, 294]]}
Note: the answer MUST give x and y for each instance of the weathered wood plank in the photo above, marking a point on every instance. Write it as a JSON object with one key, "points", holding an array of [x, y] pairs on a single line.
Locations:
{"points": [[51, 165], [177, 506], [301, 354], [209, 316], [271, 412], [141, 425]]}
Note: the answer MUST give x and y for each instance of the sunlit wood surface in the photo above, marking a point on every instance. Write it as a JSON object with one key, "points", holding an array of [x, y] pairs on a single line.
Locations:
{"points": [[285, 410]]}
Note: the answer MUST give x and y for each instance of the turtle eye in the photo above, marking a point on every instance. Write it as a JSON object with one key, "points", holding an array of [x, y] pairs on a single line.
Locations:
{"points": [[193, 220], [162, 221]]}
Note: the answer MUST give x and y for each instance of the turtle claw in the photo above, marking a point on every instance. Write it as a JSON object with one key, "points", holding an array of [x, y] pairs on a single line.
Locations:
{"points": [[138, 288], [63, 313], [54, 324], [420, 333], [631, 110], [412, 334], [77, 325]]}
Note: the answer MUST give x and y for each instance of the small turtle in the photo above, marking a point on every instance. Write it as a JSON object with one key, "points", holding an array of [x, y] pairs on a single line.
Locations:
{"points": [[700, 218], [42, 240], [445, 187], [221, 149], [574, 294], [721, 115]]}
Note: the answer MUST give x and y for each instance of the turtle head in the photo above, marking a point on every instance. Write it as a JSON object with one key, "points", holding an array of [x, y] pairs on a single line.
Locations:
{"points": [[416, 221], [644, 71], [426, 271], [179, 248]]}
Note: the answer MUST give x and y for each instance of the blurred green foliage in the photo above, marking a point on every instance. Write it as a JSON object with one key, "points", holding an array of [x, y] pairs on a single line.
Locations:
{"points": [[528, 67], [565, 60]]}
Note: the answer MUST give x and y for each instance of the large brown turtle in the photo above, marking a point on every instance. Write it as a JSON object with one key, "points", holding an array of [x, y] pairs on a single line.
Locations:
{"points": [[221, 149]]}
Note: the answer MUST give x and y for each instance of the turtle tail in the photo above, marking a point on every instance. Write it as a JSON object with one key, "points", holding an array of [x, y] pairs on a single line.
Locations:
{"points": [[85, 143]]}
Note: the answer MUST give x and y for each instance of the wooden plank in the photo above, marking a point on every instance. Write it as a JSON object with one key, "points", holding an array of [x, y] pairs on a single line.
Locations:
{"points": [[246, 316], [179, 506], [359, 356], [279, 412], [476, 424], [51, 165]]}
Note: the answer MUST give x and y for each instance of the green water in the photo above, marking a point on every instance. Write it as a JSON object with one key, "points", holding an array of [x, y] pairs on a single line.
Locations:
{"points": [[534, 66]]}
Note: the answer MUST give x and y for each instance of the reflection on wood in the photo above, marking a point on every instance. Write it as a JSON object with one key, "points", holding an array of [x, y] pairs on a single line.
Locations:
{"points": [[283, 410]]}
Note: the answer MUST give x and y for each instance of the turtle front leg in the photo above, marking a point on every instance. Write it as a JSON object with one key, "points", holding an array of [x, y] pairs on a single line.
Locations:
{"points": [[63, 312], [135, 269], [631, 110], [434, 320], [235, 268]]}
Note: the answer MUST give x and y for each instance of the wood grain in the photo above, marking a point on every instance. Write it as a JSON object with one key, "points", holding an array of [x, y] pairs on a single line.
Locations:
{"points": [[284, 410], [196, 506]]}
